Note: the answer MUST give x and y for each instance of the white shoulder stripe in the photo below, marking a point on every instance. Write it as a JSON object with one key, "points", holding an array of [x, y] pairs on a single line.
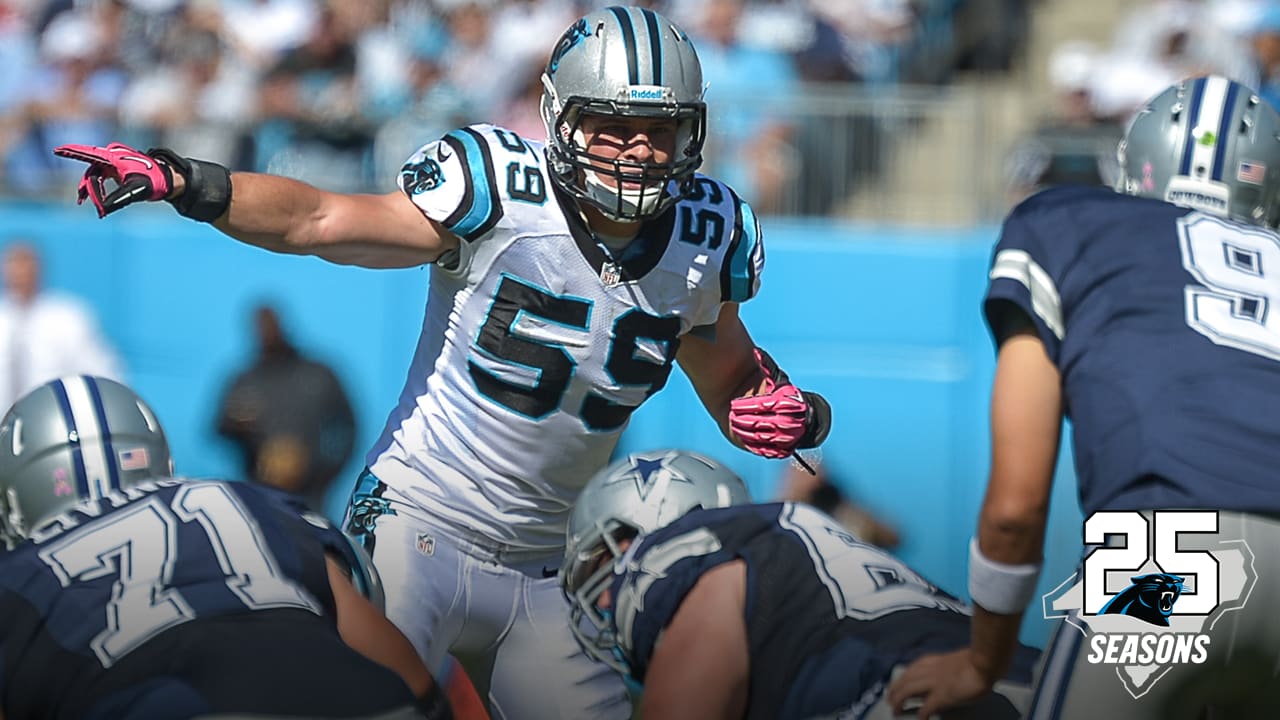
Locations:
{"points": [[1018, 266], [92, 449]]}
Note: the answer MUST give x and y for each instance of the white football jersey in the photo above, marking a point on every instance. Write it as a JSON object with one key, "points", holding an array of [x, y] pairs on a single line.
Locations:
{"points": [[537, 345]]}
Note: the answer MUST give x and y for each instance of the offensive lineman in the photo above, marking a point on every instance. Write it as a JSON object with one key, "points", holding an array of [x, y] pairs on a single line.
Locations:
{"points": [[127, 593], [724, 609]]}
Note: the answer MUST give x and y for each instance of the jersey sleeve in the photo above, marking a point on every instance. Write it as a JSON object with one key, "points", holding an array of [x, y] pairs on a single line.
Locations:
{"points": [[302, 530], [1024, 278], [718, 246], [744, 260], [348, 552], [452, 181], [481, 183], [659, 571]]}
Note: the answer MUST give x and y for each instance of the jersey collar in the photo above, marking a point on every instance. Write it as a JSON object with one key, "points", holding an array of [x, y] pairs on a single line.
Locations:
{"points": [[636, 259]]}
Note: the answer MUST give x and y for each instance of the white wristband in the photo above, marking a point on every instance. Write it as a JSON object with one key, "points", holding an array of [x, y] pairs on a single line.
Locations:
{"points": [[998, 587]]}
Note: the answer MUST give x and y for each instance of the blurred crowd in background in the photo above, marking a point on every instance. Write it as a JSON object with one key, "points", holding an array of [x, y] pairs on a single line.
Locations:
{"points": [[1098, 86], [340, 92]]}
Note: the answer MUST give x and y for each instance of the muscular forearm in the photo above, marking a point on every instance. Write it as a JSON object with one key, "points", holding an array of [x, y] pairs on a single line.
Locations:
{"points": [[287, 216], [1013, 539], [268, 211], [993, 642]]}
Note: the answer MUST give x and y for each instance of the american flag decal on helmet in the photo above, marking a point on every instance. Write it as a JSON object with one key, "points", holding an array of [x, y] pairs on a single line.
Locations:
{"points": [[1251, 172], [134, 459]]}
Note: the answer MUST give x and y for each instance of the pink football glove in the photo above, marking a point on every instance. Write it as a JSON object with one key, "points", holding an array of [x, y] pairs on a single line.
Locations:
{"points": [[138, 176], [774, 422]]}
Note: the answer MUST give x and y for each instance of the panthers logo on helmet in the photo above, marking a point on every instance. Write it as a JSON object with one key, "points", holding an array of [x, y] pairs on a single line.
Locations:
{"points": [[421, 176], [1150, 598], [571, 37]]}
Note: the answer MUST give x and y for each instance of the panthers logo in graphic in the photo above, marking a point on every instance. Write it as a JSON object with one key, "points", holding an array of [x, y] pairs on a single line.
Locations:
{"points": [[568, 40], [1150, 598], [421, 176]]}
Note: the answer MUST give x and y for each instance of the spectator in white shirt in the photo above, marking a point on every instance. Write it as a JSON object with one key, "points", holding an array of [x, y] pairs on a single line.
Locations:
{"points": [[44, 335]]}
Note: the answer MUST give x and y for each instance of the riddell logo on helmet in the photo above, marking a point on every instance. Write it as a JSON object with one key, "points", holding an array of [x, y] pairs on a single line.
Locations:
{"points": [[647, 92]]}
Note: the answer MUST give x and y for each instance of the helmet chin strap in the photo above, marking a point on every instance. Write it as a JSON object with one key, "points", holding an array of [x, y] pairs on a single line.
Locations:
{"points": [[638, 204]]}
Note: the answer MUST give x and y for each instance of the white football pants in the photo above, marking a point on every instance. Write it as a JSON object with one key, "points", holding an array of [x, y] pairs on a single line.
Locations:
{"points": [[501, 614]]}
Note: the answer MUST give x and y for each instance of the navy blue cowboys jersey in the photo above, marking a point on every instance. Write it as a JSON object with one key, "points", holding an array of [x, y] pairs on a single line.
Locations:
{"points": [[175, 598], [1160, 321], [828, 617]]}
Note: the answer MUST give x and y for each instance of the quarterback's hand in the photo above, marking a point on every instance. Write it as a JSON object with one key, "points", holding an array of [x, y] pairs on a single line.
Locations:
{"points": [[138, 175], [776, 421], [938, 683]]}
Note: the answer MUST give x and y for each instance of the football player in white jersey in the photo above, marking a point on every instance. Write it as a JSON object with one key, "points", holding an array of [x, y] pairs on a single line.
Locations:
{"points": [[567, 277]]}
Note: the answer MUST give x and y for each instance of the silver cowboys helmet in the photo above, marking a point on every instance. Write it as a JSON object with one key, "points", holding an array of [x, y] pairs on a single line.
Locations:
{"points": [[72, 439], [1206, 143], [632, 496], [623, 62]]}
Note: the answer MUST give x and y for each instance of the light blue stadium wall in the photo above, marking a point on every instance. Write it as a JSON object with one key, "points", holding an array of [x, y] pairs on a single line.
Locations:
{"points": [[884, 321]]}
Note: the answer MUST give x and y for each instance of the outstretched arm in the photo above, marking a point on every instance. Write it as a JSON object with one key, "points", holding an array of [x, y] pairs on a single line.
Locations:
{"points": [[268, 211], [288, 216], [700, 668]]}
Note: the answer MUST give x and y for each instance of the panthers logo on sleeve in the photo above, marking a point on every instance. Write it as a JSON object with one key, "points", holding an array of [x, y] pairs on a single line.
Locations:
{"points": [[422, 176]]}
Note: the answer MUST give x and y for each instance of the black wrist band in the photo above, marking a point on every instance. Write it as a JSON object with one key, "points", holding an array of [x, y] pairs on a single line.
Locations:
{"points": [[434, 705], [207, 194], [817, 423]]}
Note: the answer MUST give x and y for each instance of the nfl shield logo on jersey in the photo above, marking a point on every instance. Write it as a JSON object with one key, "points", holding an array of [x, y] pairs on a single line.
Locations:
{"points": [[610, 274], [1147, 603], [426, 544]]}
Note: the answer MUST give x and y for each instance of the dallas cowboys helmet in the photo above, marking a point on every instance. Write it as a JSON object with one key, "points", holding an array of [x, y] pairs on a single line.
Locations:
{"points": [[72, 439], [632, 496], [627, 62], [1207, 143]]}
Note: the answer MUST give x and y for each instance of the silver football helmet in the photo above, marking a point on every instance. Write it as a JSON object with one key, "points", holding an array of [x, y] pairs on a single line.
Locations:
{"points": [[631, 497], [1207, 143], [72, 439], [627, 62]]}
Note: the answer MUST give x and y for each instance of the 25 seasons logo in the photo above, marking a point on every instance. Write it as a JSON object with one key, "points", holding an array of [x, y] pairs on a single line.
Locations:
{"points": [[1149, 592]]}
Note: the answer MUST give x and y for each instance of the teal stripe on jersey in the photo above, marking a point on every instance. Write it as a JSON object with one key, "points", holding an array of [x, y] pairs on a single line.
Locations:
{"points": [[484, 208], [742, 269]]}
